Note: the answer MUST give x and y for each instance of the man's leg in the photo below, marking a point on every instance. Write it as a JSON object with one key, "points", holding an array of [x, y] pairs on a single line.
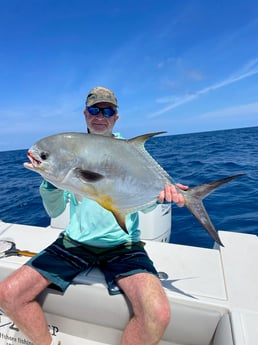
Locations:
{"points": [[17, 298], [150, 306]]}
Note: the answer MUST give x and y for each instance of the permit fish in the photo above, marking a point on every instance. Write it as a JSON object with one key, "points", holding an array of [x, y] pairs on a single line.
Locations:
{"points": [[118, 174]]}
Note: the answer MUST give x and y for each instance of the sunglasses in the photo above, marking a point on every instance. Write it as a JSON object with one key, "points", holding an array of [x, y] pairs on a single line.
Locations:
{"points": [[106, 112]]}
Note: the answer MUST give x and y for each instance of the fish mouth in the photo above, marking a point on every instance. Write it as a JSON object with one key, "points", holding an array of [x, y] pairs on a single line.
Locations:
{"points": [[34, 162]]}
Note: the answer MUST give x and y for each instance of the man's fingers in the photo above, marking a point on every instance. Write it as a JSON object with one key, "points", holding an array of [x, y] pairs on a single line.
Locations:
{"points": [[170, 194], [161, 197], [181, 186]]}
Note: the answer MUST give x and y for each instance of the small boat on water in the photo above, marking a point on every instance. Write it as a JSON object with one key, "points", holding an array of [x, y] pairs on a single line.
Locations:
{"points": [[213, 293]]}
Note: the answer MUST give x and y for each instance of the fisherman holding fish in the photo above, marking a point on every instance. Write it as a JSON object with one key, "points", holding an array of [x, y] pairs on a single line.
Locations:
{"points": [[96, 235]]}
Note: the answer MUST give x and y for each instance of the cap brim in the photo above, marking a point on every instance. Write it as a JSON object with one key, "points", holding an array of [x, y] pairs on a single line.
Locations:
{"points": [[90, 103]]}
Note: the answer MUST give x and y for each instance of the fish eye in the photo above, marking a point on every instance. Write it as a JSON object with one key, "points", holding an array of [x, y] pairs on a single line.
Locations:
{"points": [[44, 155]]}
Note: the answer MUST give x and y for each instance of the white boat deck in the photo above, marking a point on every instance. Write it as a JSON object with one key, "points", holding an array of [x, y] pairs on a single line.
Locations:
{"points": [[213, 293]]}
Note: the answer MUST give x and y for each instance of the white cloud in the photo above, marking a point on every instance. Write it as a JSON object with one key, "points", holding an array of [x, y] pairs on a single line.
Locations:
{"points": [[248, 70]]}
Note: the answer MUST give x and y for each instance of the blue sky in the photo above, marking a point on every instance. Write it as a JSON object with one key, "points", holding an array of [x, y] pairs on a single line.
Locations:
{"points": [[176, 66]]}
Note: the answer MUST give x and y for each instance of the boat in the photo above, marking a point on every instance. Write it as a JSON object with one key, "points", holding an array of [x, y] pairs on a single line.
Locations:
{"points": [[213, 292]]}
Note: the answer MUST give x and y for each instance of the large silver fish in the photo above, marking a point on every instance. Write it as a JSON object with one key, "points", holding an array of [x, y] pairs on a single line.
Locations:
{"points": [[118, 174]]}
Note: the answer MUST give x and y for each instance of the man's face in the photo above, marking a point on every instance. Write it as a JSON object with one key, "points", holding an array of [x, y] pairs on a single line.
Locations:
{"points": [[99, 124]]}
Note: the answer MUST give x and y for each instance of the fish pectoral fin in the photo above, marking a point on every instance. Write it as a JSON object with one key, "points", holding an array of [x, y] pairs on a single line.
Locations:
{"points": [[88, 175]]}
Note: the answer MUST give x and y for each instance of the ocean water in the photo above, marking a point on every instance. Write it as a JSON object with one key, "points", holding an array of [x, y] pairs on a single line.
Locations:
{"points": [[191, 159]]}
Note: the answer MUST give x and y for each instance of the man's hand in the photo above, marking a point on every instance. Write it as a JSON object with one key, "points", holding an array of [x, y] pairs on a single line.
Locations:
{"points": [[170, 194]]}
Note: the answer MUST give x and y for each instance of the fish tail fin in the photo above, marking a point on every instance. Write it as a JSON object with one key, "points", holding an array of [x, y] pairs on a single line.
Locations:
{"points": [[193, 201]]}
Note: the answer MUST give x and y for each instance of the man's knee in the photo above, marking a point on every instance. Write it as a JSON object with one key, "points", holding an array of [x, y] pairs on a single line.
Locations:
{"points": [[21, 287], [161, 313], [7, 299]]}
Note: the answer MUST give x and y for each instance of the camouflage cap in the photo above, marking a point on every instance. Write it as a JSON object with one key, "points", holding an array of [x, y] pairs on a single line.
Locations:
{"points": [[101, 94]]}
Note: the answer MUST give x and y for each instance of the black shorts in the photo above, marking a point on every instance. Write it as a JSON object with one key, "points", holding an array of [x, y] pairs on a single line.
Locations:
{"points": [[64, 259]]}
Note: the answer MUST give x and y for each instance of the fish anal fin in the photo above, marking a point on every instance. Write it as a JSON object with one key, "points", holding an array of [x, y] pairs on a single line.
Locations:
{"points": [[106, 202], [120, 218]]}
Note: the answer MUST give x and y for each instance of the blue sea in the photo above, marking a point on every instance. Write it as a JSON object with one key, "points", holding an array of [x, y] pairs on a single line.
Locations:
{"points": [[191, 159]]}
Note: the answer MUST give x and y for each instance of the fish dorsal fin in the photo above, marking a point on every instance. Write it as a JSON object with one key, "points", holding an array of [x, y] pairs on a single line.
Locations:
{"points": [[141, 139], [138, 143]]}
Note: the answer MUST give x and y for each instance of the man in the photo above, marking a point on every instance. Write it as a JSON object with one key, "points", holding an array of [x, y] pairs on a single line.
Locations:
{"points": [[92, 237]]}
